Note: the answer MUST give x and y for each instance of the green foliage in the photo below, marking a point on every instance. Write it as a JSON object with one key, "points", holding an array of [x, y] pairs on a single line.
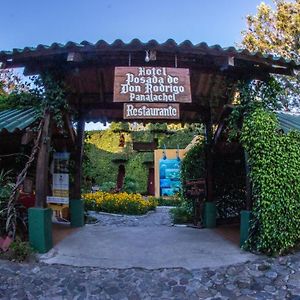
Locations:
{"points": [[158, 127], [6, 187], [45, 92], [18, 251], [169, 201], [276, 31], [142, 136], [275, 176], [193, 164], [182, 214], [253, 95], [138, 171], [130, 185], [108, 186], [180, 138], [103, 155], [118, 127]]}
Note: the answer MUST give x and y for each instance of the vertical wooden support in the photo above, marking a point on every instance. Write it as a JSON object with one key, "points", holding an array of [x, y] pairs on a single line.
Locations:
{"points": [[41, 184], [77, 204], [78, 157], [209, 161], [39, 217]]}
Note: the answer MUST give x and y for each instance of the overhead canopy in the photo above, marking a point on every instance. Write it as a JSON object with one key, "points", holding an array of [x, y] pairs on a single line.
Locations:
{"points": [[16, 120], [88, 71]]}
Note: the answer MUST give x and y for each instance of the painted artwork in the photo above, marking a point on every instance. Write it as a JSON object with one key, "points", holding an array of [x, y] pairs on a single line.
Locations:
{"points": [[169, 174]]}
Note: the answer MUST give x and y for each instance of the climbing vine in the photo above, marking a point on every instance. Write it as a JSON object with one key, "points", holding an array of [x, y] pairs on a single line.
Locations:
{"points": [[193, 164], [274, 168], [275, 176]]}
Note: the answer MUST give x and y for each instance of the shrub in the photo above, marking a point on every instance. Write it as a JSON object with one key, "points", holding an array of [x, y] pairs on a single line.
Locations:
{"points": [[130, 185], [108, 186], [6, 187], [169, 201], [274, 160], [132, 204], [18, 251], [193, 164], [182, 214]]}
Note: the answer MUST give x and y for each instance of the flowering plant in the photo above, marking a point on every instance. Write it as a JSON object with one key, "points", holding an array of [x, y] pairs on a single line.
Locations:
{"points": [[127, 203]]}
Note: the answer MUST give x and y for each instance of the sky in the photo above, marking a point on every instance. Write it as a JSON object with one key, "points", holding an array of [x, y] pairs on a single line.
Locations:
{"points": [[33, 22]]}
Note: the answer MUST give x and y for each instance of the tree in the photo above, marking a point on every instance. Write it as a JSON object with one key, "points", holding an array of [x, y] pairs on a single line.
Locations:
{"points": [[277, 31], [13, 89]]}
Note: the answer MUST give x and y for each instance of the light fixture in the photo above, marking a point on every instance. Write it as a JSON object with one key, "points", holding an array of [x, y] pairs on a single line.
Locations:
{"points": [[150, 55], [147, 58]]}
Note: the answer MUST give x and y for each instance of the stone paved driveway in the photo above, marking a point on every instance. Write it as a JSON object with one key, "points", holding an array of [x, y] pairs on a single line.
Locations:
{"points": [[261, 278], [144, 242]]}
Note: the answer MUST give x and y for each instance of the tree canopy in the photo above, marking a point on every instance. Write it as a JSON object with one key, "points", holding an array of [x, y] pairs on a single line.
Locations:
{"points": [[276, 30]]}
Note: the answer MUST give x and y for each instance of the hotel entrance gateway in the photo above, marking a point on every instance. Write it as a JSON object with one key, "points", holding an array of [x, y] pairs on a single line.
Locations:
{"points": [[205, 78]]}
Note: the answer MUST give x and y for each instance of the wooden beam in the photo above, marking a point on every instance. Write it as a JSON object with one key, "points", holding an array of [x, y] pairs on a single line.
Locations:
{"points": [[42, 167], [69, 127], [78, 157]]}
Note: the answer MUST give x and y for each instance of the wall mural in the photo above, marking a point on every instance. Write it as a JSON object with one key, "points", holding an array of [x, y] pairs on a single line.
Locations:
{"points": [[169, 173]]}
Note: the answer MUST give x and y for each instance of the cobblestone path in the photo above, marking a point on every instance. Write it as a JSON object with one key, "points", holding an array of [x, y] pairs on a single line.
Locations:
{"points": [[160, 217], [264, 278]]}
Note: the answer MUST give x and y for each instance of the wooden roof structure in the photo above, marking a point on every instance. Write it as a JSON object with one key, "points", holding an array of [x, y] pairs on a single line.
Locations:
{"points": [[88, 71]]}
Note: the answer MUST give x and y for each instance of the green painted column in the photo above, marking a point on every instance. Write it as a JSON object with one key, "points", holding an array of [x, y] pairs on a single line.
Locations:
{"points": [[244, 226], [77, 213], [209, 215], [40, 229]]}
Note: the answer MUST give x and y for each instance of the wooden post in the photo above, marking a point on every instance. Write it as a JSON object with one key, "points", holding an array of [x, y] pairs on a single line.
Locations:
{"points": [[42, 167], [209, 161], [78, 157]]}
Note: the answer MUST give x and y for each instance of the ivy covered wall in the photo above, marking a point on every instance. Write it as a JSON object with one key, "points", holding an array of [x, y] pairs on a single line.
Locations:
{"points": [[275, 175], [103, 154]]}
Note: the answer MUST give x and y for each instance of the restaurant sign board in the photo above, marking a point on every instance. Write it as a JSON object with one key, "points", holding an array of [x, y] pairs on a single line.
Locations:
{"points": [[152, 84], [152, 111]]}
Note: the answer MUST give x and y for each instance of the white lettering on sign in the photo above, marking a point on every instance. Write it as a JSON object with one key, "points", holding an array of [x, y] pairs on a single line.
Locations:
{"points": [[151, 111], [151, 84]]}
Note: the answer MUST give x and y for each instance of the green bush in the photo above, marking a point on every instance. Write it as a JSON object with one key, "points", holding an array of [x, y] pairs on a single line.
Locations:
{"points": [[182, 214], [119, 127], [130, 185], [18, 251], [6, 187], [108, 186], [193, 164], [274, 160], [169, 201]]}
